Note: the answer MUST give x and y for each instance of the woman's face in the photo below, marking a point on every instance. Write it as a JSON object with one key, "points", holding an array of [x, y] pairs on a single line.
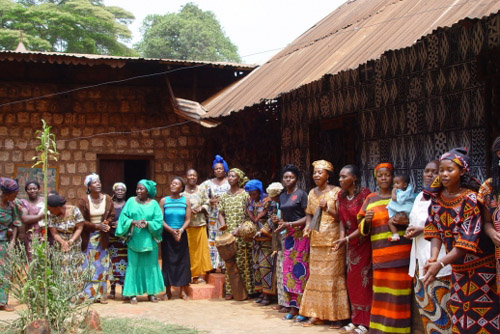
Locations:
{"points": [[120, 192], [141, 192], [346, 178], [255, 195], [384, 178], [289, 180], [32, 191], [175, 186], [192, 177], [430, 172], [233, 179], [219, 171], [320, 176], [450, 173], [95, 186], [55, 210]]}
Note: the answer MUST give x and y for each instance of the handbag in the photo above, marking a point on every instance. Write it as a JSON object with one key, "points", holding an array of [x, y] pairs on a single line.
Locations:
{"points": [[316, 219]]}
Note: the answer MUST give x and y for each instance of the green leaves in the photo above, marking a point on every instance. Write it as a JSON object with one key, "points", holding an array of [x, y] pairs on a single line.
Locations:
{"points": [[191, 34], [77, 26]]}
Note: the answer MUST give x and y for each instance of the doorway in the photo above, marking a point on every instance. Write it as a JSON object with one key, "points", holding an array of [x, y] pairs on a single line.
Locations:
{"points": [[128, 169]]}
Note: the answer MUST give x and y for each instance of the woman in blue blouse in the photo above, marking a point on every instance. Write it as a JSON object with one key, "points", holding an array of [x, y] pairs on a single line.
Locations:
{"points": [[176, 267]]}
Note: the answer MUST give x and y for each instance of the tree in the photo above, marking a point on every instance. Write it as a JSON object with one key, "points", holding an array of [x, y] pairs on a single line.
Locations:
{"points": [[191, 34], [76, 26]]}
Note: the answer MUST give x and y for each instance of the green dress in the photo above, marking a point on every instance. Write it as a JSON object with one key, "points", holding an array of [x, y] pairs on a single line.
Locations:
{"points": [[143, 273], [8, 217]]}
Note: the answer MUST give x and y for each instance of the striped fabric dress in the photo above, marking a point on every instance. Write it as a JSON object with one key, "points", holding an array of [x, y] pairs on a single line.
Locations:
{"points": [[391, 305]]}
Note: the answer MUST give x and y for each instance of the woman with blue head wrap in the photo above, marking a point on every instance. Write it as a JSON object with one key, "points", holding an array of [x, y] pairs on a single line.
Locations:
{"points": [[214, 188], [260, 210], [141, 222]]}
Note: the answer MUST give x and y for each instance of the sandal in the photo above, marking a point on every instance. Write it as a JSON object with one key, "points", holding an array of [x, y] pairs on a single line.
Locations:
{"points": [[300, 318], [228, 297], [258, 300], [133, 300], [348, 328], [288, 316], [7, 308], [166, 296], [360, 330], [152, 299], [185, 296], [313, 322], [265, 302], [200, 281], [336, 325], [112, 295]]}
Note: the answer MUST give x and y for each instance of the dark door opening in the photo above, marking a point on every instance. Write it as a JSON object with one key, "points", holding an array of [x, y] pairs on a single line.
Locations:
{"points": [[126, 169]]}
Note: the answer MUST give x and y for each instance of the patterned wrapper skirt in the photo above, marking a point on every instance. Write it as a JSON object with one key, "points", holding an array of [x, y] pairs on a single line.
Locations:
{"points": [[264, 273], [433, 305], [325, 296], [391, 306], [198, 250], [118, 255], [213, 232], [295, 267], [279, 279], [99, 260], [4, 288], [244, 262]]}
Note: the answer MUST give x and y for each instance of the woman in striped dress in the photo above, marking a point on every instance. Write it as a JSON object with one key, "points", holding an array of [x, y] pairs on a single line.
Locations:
{"points": [[390, 311]]}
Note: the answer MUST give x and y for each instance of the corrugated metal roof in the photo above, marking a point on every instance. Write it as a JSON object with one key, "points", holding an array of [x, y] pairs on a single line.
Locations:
{"points": [[113, 61], [356, 32]]}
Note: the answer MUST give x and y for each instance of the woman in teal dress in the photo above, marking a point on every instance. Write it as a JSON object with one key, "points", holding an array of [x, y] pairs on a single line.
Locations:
{"points": [[10, 219], [141, 223], [176, 266]]}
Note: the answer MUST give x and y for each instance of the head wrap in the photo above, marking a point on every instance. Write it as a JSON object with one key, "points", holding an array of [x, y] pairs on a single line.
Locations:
{"points": [[119, 184], [150, 186], [8, 186], [242, 178], [387, 165], [458, 156], [220, 160], [254, 185], [323, 164], [274, 189], [55, 201], [89, 178], [292, 169]]}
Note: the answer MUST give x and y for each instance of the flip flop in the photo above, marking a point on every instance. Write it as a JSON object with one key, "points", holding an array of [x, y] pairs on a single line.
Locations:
{"points": [[288, 316], [348, 328], [300, 318]]}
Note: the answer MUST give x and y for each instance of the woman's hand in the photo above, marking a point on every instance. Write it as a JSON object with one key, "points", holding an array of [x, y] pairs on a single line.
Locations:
{"points": [[178, 234], [196, 210], [430, 269], [339, 243], [495, 237], [369, 216], [413, 231], [282, 225], [322, 204], [307, 231], [103, 227], [65, 246], [214, 201]]}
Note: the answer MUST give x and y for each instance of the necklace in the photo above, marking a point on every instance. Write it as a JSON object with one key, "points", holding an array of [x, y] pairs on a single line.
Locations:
{"points": [[191, 190], [350, 197]]}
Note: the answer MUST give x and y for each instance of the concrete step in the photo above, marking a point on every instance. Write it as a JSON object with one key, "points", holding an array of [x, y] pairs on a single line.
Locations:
{"points": [[213, 289]]}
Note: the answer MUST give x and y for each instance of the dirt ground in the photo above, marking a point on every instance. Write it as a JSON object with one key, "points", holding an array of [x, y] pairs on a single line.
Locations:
{"points": [[213, 316]]}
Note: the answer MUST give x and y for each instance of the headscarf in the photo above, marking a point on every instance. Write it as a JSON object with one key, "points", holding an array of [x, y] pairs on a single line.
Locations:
{"points": [[8, 186], [387, 165], [119, 184], [274, 189], [55, 201], [150, 186], [90, 178], [242, 178], [220, 160], [254, 185], [458, 156], [292, 169], [323, 164]]}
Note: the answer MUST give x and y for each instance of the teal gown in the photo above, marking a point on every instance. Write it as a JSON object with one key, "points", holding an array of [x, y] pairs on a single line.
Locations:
{"points": [[143, 273]]}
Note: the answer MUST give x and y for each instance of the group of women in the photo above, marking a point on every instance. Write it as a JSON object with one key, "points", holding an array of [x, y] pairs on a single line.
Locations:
{"points": [[325, 257]]}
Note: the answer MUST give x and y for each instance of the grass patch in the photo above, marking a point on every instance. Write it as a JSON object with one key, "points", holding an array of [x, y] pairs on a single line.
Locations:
{"points": [[142, 326]]}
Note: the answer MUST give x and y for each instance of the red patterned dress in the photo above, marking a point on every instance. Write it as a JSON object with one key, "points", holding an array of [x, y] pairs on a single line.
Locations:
{"points": [[473, 301], [359, 259]]}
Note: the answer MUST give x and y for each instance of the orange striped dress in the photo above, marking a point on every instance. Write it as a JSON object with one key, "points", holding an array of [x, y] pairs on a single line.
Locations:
{"points": [[391, 305]]}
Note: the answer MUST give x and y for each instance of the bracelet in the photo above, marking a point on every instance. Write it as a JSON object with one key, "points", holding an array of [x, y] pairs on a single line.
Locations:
{"points": [[442, 264], [347, 239], [290, 224]]}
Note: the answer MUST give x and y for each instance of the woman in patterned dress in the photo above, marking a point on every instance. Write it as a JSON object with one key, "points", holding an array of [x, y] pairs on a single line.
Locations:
{"points": [[259, 209], [231, 215], [433, 301], [214, 188], [359, 250], [117, 246], [455, 221], [197, 229], [325, 296], [293, 203], [10, 219], [32, 214], [66, 226], [98, 211]]}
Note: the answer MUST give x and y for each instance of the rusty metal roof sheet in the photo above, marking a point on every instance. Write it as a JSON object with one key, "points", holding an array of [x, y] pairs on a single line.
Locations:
{"points": [[356, 32], [113, 61]]}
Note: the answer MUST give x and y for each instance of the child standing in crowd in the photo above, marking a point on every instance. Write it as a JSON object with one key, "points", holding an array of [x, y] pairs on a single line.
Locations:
{"points": [[401, 202]]}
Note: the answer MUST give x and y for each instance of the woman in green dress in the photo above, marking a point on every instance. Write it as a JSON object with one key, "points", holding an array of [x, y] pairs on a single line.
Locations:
{"points": [[141, 222]]}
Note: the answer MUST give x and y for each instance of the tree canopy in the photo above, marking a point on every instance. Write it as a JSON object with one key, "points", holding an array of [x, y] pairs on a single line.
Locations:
{"points": [[75, 26], [190, 34]]}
